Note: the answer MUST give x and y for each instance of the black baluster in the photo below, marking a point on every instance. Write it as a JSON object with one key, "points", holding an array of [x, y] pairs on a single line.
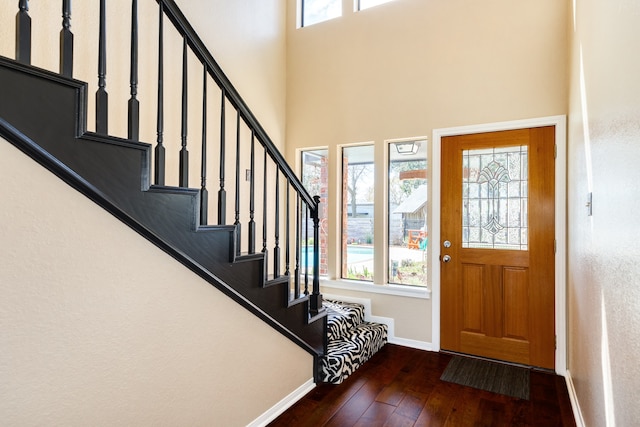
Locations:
{"points": [[134, 105], [184, 154], [286, 232], [66, 41], [23, 33], [276, 248], [237, 217], [264, 204], [296, 271], [222, 193], [315, 301], [264, 214], [204, 194], [160, 151], [252, 181], [102, 98], [306, 249]]}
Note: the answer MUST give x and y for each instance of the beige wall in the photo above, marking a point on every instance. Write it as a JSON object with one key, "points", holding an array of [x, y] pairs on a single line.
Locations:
{"points": [[247, 38], [411, 316], [407, 67], [101, 328], [603, 269]]}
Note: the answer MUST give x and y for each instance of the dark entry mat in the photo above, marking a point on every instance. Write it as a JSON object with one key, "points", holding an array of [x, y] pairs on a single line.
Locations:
{"points": [[490, 376]]}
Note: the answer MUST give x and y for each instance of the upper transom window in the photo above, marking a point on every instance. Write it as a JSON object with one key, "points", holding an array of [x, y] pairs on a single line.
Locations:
{"points": [[366, 4], [314, 11]]}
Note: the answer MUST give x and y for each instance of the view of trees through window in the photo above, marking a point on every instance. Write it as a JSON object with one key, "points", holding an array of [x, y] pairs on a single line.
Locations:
{"points": [[357, 212]]}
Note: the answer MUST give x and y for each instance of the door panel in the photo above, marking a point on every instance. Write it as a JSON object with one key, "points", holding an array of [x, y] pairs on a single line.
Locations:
{"points": [[498, 214]]}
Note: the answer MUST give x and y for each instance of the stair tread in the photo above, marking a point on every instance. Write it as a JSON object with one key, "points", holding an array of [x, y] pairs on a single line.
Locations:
{"points": [[342, 316]]}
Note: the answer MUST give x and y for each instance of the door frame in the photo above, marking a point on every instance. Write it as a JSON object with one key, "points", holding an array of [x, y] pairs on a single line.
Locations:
{"points": [[560, 123]]}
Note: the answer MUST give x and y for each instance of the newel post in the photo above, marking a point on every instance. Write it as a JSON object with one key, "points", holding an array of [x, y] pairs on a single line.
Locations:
{"points": [[316, 296]]}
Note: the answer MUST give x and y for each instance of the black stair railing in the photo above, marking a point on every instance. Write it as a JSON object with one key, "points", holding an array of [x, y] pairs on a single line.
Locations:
{"points": [[281, 213]]}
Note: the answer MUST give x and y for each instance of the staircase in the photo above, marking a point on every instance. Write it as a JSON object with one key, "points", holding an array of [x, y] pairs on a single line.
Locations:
{"points": [[258, 257]]}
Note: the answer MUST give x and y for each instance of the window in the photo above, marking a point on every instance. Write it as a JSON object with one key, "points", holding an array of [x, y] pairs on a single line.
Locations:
{"points": [[495, 198], [397, 254], [315, 178], [366, 4], [357, 212], [314, 11], [407, 213]]}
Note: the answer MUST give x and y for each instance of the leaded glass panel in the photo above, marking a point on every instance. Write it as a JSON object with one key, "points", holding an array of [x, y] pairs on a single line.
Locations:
{"points": [[494, 198]]}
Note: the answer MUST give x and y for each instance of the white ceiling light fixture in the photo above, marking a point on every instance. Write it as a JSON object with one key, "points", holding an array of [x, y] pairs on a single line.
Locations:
{"points": [[407, 148]]}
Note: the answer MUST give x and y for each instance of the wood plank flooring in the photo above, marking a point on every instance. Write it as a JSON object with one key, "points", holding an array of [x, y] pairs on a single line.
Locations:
{"points": [[401, 386]]}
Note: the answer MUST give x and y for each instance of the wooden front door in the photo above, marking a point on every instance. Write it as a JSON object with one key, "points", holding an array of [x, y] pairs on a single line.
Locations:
{"points": [[497, 248]]}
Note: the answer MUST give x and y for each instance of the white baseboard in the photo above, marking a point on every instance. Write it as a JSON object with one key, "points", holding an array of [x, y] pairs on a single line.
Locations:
{"points": [[283, 405], [420, 345], [573, 397]]}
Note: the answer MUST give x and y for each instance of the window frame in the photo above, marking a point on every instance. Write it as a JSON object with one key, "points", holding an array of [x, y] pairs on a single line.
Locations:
{"points": [[380, 283], [344, 202], [358, 5], [301, 14], [421, 148]]}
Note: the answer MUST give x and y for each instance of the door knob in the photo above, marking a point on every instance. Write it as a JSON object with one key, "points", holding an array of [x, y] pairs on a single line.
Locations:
{"points": [[446, 258]]}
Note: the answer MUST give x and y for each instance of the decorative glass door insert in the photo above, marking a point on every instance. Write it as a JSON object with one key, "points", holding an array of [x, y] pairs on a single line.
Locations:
{"points": [[494, 198]]}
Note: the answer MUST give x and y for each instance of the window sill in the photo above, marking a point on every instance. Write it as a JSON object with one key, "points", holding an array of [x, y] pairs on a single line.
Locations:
{"points": [[397, 290]]}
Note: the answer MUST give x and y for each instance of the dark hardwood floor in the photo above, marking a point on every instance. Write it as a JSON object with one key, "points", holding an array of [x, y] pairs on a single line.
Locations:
{"points": [[401, 386]]}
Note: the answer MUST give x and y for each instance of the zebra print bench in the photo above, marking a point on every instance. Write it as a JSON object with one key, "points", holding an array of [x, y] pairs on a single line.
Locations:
{"points": [[351, 340]]}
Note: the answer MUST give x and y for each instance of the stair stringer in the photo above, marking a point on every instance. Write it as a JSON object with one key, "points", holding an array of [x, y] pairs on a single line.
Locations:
{"points": [[41, 106]]}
